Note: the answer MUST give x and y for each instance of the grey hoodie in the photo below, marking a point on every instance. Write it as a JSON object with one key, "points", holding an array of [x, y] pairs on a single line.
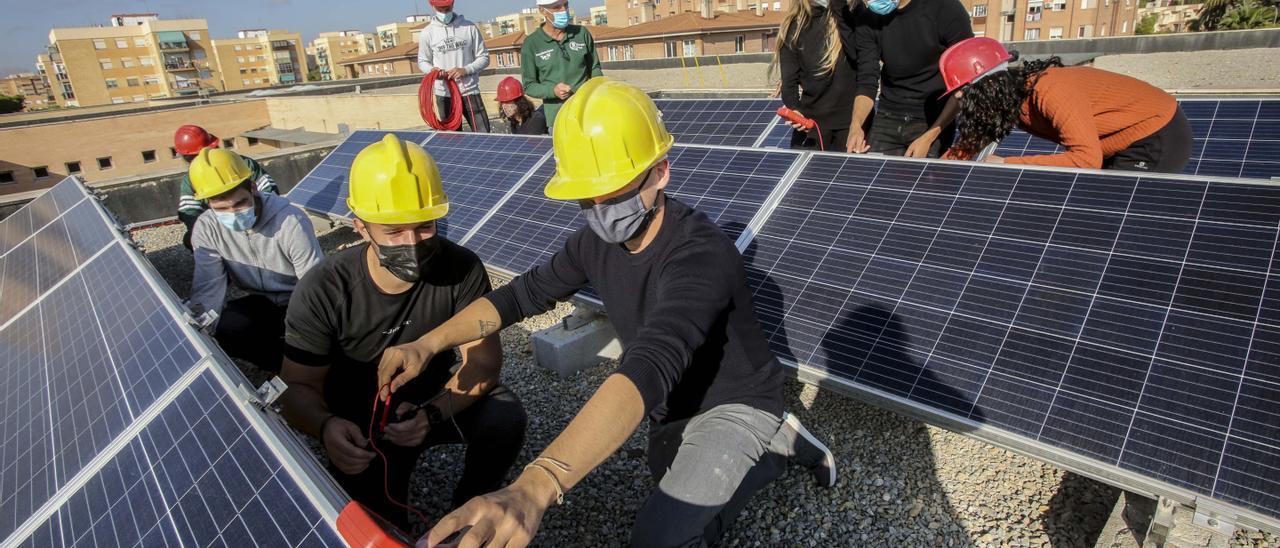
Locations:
{"points": [[267, 259], [458, 44]]}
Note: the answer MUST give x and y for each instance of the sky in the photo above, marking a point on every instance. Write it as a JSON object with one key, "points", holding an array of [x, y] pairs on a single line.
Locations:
{"points": [[24, 30]]}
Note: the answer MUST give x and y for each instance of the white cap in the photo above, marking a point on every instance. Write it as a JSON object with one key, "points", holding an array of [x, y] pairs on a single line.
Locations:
{"points": [[547, 2]]}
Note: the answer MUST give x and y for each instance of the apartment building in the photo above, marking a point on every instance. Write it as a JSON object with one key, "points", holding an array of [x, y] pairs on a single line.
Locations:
{"points": [[524, 21], [397, 61], [30, 85], [625, 13], [599, 16], [140, 57], [1171, 16], [391, 35], [1018, 20], [332, 48], [260, 58]]}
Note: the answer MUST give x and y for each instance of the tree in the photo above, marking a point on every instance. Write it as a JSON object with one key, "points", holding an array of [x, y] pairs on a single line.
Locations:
{"points": [[1147, 25], [11, 103], [1237, 15], [315, 75]]}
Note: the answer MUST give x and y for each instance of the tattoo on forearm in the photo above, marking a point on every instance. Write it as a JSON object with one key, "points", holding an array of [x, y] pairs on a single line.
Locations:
{"points": [[487, 328]]}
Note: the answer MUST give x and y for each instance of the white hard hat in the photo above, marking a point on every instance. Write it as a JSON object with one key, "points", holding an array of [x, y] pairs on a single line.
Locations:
{"points": [[547, 2]]}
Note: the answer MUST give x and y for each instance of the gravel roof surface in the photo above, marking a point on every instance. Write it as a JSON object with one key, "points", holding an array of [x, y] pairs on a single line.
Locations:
{"points": [[902, 482]]}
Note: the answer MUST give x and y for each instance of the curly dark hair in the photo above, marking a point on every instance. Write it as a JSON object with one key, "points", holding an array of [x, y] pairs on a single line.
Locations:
{"points": [[990, 107], [524, 111]]}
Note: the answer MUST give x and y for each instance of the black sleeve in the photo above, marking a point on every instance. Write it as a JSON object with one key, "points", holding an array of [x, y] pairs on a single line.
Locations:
{"points": [[535, 125], [789, 65], [538, 290], [954, 23], [691, 300], [308, 325], [188, 219], [867, 38]]}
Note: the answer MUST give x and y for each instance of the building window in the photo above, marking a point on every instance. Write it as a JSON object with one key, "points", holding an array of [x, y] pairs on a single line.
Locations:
{"points": [[105, 64], [146, 61], [1088, 4], [239, 59], [112, 84], [131, 81], [139, 98], [41, 172], [671, 49], [1124, 27], [126, 62], [194, 35], [690, 48], [980, 10], [173, 153], [1085, 31], [99, 43], [1031, 34], [122, 43], [613, 53], [228, 143], [628, 52], [6, 177], [1055, 33], [148, 156], [151, 81], [740, 44], [104, 163], [251, 141], [140, 42], [117, 100], [72, 167], [237, 47]]}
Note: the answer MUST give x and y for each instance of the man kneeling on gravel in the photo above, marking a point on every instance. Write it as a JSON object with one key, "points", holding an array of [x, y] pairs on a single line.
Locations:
{"points": [[696, 361]]}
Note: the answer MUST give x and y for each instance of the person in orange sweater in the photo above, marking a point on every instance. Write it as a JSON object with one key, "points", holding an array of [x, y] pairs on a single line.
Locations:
{"points": [[1103, 119]]}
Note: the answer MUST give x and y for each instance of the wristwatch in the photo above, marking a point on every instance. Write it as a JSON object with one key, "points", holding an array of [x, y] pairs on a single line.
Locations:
{"points": [[434, 416]]}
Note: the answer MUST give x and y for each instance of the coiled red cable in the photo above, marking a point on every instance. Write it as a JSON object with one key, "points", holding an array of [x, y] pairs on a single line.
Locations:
{"points": [[427, 102]]}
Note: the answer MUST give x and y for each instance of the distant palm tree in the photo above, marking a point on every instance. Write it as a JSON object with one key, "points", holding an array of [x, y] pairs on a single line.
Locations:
{"points": [[1238, 15]]}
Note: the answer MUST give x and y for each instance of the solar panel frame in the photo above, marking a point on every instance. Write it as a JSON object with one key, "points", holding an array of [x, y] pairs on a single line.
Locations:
{"points": [[1002, 437]]}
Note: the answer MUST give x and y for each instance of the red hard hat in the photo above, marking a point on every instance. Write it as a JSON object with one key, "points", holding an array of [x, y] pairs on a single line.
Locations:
{"points": [[189, 140], [441, 3], [970, 58], [509, 89]]}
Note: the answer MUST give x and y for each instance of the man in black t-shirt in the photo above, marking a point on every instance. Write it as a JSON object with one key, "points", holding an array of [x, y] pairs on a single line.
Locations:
{"points": [[696, 362], [358, 305]]}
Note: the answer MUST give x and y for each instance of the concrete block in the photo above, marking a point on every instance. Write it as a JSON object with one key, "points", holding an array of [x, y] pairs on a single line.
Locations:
{"points": [[583, 339]]}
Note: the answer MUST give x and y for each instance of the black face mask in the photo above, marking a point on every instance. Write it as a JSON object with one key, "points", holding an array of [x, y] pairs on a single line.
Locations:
{"points": [[409, 260]]}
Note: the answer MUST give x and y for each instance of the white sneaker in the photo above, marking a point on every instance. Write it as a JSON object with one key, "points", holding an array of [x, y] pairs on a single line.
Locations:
{"points": [[811, 453]]}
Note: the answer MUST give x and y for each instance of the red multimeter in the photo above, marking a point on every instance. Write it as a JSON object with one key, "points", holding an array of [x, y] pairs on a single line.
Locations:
{"points": [[795, 118]]}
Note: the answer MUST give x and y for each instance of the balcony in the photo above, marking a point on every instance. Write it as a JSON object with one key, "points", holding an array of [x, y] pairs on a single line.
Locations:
{"points": [[281, 44], [285, 68], [1033, 17], [180, 65], [174, 46]]}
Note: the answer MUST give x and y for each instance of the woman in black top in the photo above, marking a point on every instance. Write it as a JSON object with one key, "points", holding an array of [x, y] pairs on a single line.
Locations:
{"points": [[517, 110], [818, 70], [899, 43]]}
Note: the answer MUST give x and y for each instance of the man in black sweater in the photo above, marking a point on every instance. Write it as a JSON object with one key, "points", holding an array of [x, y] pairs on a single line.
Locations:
{"points": [[696, 361], [899, 44]]}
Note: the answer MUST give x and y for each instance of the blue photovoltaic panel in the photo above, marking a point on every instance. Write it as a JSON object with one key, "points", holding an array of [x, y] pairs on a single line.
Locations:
{"points": [[1232, 138], [478, 170], [26, 449], [729, 122], [1135, 321], [34, 216], [324, 190], [729, 185], [198, 475]]}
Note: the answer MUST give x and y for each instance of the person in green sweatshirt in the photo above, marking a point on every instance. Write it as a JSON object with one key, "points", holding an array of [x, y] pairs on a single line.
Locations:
{"points": [[557, 58]]}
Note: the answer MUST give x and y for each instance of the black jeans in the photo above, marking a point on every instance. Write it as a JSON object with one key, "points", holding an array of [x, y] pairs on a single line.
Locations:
{"points": [[832, 140], [491, 428], [1165, 151], [252, 328], [472, 111], [892, 133]]}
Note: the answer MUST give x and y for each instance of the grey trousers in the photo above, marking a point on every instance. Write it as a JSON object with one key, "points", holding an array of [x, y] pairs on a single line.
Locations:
{"points": [[707, 467]]}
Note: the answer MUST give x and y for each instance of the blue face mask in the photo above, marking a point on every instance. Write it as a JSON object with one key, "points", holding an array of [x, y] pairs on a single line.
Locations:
{"points": [[882, 7], [445, 18], [238, 221], [560, 19]]}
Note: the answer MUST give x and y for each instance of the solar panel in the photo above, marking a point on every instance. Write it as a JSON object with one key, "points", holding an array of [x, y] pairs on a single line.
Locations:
{"points": [[113, 429], [729, 185], [478, 170], [730, 122], [324, 190], [1232, 138], [1132, 321]]}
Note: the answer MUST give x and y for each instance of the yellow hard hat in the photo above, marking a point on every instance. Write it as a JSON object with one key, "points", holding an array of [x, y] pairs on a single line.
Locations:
{"points": [[216, 171], [605, 136], [394, 182]]}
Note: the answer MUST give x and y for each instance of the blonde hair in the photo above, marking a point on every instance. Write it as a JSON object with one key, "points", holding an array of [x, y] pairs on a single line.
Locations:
{"points": [[796, 20]]}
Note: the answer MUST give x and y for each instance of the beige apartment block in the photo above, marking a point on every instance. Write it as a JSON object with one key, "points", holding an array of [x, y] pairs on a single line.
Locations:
{"points": [[1029, 20], [332, 48], [525, 22], [260, 58], [38, 156], [399, 33], [1171, 17], [29, 85], [131, 63], [625, 13]]}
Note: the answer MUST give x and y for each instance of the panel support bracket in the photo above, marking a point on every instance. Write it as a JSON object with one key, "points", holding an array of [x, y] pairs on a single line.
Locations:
{"points": [[1213, 516], [1161, 524]]}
